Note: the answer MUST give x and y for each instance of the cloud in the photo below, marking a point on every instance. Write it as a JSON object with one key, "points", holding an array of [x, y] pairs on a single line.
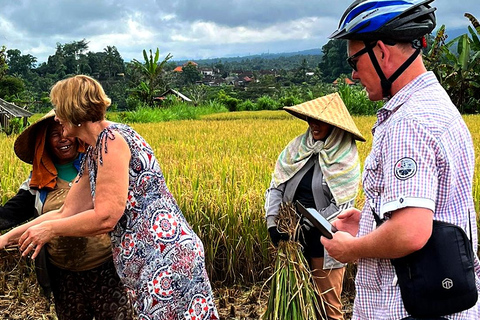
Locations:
{"points": [[189, 29], [248, 12]]}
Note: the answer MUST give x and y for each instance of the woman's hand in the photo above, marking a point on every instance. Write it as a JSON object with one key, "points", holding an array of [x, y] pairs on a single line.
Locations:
{"points": [[348, 221], [34, 238], [3, 241], [7, 240]]}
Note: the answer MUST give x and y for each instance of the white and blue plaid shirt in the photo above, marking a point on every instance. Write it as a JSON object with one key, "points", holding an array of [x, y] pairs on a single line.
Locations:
{"points": [[422, 156]]}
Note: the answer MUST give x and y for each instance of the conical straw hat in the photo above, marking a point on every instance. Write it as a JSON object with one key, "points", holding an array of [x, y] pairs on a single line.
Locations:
{"points": [[24, 146], [329, 109]]}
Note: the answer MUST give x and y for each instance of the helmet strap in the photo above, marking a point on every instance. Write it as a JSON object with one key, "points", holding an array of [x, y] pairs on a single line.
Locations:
{"points": [[387, 83]]}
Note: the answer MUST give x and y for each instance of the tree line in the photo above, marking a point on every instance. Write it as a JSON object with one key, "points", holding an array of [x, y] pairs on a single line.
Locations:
{"points": [[292, 79]]}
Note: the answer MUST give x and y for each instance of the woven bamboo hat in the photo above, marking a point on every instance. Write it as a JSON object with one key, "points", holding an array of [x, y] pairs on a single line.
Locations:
{"points": [[329, 109], [24, 146]]}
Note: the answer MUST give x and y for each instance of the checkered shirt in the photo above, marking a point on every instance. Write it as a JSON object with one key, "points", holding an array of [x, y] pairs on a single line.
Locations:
{"points": [[422, 156]]}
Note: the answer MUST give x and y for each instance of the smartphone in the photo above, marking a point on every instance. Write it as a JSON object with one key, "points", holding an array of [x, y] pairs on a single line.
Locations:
{"points": [[319, 221]]}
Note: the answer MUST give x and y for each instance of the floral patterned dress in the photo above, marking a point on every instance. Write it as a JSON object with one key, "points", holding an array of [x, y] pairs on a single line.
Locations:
{"points": [[157, 254]]}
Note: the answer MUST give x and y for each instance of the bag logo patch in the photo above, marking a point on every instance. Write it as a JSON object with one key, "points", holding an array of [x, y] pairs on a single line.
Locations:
{"points": [[405, 168], [447, 283]]}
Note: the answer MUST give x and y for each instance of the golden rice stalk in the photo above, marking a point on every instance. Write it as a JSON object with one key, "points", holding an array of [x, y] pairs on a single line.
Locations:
{"points": [[293, 293]]}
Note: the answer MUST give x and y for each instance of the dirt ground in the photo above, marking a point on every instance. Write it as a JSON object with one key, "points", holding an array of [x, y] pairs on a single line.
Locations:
{"points": [[250, 302], [20, 296]]}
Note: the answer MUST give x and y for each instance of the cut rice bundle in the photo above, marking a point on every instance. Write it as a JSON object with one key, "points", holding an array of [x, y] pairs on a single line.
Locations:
{"points": [[293, 293]]}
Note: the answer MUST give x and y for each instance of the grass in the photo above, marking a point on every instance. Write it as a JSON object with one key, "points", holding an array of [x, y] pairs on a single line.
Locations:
{"points": [[179, 111], [218, 170]]}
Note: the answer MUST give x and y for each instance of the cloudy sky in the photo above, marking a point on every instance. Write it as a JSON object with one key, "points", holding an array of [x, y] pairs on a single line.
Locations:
{"points": [[188, 29]]}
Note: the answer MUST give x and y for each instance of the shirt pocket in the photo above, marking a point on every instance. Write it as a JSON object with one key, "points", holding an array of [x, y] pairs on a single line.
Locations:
{"points": [[372, 176], [371, 163]]}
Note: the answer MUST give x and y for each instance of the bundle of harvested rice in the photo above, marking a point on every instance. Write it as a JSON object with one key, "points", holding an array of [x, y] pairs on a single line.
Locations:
{"points": [[293, 293]]}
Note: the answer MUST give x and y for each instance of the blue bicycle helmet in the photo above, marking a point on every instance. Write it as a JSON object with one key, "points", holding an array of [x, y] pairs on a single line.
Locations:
{"points": [[390, 21], [397, 20]]}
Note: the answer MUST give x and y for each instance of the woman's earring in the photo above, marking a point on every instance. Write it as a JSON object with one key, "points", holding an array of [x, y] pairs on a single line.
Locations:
{"points": [[79, 125]]}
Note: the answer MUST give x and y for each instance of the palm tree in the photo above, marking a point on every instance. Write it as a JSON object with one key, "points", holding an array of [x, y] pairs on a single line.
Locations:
{"points": [[113, 62], [152, 77]]}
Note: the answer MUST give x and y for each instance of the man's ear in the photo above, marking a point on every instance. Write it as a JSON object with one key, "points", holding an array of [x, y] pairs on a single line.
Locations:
{"points": [[383, 48], [385, 54]]}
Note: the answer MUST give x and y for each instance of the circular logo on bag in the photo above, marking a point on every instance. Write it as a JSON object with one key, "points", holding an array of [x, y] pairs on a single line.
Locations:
{"points": [[405, 168], [447, 283]]}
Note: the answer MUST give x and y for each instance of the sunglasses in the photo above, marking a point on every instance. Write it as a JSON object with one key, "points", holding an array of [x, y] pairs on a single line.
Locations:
{"points": [[352, 60]]}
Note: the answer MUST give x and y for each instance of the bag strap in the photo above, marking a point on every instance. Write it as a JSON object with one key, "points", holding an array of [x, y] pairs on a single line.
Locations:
{"points": [[470, 228], [377, 218]]}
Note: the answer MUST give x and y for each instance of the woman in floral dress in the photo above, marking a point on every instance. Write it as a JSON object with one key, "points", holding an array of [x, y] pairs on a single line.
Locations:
{"points": [[121, 189]]}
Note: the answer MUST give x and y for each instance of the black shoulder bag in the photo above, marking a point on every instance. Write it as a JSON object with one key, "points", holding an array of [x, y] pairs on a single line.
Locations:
{"points": [[438, 279]]}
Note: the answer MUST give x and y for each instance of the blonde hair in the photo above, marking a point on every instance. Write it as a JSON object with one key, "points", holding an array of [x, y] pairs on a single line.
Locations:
{"points": [[79, 99]]}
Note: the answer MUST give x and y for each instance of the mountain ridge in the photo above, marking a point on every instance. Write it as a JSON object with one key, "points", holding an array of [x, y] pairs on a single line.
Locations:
{"points": [[308, 52]]}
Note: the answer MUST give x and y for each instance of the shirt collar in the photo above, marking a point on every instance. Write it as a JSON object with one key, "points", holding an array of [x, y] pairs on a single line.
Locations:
{"points": [[395, 102]]}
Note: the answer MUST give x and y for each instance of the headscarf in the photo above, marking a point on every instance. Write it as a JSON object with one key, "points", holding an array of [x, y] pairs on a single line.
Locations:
{"points": [[44, 173], [337, 157]]}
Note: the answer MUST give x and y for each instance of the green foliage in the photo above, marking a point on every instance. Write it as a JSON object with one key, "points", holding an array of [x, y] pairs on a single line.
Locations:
{"points": [[170, 100], [133, 103], [3, 62], [178, 111], [261, 62], [10, 86], [334, 60], [44, 105], [20, 65], [110, 62], [15, 126], [211, 107], [117, 91], [287, 101], [356, 100], [190, 74], [248, 115], [267, 103], [197, 93], [457, 66], [247, 105], [151, 75], [230, 102]]}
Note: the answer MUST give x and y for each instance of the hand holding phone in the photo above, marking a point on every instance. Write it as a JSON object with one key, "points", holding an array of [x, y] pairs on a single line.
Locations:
{"points": [[322, 224]]}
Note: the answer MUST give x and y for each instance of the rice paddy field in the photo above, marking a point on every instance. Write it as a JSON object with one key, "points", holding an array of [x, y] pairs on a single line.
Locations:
{"points": [[218, 169]]}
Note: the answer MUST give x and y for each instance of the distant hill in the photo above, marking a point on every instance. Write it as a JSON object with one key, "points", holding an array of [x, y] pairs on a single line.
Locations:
{"points": [[453, 33], [267, 56]]}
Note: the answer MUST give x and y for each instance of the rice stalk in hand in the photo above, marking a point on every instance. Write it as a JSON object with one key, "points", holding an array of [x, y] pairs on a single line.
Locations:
{"points": [[293, 293]]}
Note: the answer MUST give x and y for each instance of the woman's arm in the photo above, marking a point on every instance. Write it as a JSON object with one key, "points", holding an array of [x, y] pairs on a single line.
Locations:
{"points": [[13, 235], [110, 200], [18, 209], [273, 200], [78, 199]]}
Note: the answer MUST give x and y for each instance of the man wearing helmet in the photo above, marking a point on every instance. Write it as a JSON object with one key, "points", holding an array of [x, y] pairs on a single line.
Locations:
{"points": [[422, 160]]}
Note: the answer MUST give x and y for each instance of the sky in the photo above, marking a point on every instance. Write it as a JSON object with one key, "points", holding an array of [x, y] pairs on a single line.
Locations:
{"points": [[188, 29]]}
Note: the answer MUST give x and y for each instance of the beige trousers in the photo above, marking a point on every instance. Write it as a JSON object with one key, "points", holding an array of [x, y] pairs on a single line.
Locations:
{"points": [[330, 283]]}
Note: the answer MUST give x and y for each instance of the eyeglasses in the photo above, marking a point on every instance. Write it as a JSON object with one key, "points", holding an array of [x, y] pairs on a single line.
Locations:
{"points": [[352, 60]]}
